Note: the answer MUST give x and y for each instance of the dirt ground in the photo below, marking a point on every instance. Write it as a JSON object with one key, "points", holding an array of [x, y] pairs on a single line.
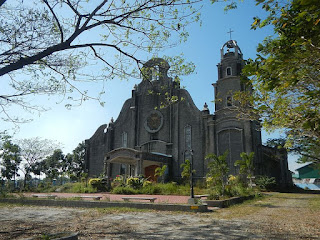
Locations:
{"points": [[277, 216]]}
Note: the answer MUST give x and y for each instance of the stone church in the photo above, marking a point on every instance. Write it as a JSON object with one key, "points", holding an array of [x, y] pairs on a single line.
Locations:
{"points": [[149, 133]]}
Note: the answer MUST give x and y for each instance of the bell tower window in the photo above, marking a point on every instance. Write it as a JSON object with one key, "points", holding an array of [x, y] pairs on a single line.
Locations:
{"points": [[229, 71]]}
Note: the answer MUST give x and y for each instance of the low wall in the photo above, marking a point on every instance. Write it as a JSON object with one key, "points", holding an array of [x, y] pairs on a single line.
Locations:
{"points": [[102, 204], [226, 202]]}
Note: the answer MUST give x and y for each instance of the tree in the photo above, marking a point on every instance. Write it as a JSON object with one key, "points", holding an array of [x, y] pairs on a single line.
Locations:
{"points": [[33, 151], [49, 46], [246, 166], [76, 161], [52, 165], [218, 170], [285, 74], [10, 158]]}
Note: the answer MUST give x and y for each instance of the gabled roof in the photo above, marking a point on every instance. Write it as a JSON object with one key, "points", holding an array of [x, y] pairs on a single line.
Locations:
{"points": [[307, 165]]}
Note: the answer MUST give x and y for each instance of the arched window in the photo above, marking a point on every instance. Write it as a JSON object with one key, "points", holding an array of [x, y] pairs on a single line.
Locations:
{"points": [[155, 71], [124, 139], [229, 71], [188, 140], [229, 101]]}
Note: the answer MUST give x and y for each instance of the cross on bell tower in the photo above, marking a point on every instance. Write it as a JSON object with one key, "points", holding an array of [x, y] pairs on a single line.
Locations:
{"points": [[230, 31]]}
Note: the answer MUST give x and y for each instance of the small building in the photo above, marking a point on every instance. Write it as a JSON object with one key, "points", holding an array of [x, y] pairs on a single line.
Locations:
{"points": [[308, 177], [160, 124], [309, 171]]}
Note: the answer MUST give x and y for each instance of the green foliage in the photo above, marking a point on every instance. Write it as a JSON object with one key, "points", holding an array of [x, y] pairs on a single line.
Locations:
{"points": [[52, 165], [98, 183], [75, 161], [246, 166], [78, 187], [173, 189], [147, 183], [135, 182], [265, 182], [124, 190], [95, 181], [10, 154], [186, 170], [154, 188], [218, 170], [285, 74], [246, 163], [118, 181], [234, 187], [276, 143], [45, 186], [160, 171]]}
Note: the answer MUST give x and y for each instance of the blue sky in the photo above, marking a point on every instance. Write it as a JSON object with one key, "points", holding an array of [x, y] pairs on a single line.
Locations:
{"points": [[70, 127]]}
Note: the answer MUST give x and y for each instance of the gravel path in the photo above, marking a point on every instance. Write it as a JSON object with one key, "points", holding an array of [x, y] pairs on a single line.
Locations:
{"points": [[281, 216]]}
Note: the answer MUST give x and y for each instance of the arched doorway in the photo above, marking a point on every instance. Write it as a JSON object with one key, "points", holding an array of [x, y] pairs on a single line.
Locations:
{"points": [[150, 171]]}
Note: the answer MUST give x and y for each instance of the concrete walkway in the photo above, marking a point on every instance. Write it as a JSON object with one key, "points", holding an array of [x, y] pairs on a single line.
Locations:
{"points": [[118, 197]]}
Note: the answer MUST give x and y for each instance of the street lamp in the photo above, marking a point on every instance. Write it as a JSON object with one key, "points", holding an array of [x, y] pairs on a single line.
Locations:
{"points": [[191, 200]]}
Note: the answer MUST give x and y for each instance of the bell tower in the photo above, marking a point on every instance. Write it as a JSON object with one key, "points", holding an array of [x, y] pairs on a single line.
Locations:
{"points": [[233, 134], [229, 70]]}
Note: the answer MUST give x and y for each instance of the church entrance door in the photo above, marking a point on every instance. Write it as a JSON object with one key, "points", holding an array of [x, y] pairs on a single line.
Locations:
{"points": [[150, 171]]}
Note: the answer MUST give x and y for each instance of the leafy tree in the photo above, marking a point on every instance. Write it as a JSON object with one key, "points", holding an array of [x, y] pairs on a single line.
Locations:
{"points": [[49, 46], [246, 166], [76, 161], [218, 170], [52, 165], [33, 151], [10, 158], [285, 74], [308, 150]]}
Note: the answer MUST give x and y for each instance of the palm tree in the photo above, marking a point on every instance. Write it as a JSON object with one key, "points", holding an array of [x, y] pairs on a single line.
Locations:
{"points": [[218, 169], [160, 171], [246, 165]]}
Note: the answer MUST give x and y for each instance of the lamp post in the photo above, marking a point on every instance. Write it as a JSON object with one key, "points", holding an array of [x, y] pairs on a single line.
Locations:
{"points": [[191, 200]]}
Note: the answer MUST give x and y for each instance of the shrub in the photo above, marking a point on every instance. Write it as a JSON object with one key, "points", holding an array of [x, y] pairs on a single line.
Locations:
{"points": [[147, 184], [118, 181], [218, 169], [135, 182], [124, 190], [98, 183], [95, 181], [151, 189], [265, 182], [214, 193], [201, 183], [78, 187]]}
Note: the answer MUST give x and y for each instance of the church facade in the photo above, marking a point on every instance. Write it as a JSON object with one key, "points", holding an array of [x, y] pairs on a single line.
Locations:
{"points": [[149, 133]]}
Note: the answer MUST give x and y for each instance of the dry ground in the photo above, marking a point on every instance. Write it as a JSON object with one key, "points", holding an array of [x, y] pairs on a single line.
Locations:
{"points": [[277, 216]]}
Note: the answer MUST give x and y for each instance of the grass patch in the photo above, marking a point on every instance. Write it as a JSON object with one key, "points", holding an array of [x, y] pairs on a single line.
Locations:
{"points": [[116, 210], [314, 202], [10, 205], [246, 208], [78, 187]]}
